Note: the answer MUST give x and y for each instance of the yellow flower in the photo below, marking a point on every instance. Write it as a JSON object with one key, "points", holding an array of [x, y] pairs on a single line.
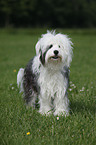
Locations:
{"points": [[28, 133], [14, 70]]}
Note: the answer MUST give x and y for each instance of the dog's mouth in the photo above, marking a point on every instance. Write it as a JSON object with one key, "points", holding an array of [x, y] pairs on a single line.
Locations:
{"points": [[55, 58]]}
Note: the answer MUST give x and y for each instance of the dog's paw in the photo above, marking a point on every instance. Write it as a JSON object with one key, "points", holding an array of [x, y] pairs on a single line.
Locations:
{"points": [[61, 113], [45, 112]]}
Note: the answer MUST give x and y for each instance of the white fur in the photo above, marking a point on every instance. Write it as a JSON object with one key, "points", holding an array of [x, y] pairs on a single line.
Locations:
{"points": [[53, 85], [54, 89], [20, 79]]}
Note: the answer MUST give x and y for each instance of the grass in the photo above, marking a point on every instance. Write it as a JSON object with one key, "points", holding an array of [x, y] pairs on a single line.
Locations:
{"points": [[79, 128]]}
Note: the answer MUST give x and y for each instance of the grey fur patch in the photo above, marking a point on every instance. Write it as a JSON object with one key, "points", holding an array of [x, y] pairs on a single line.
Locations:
{"points": [[65, 73], [43, 55], [31, 87]]}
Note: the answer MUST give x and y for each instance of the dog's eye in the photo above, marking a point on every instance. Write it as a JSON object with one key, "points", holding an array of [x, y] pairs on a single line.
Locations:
{"points": [[51, 46], [59, 46]]}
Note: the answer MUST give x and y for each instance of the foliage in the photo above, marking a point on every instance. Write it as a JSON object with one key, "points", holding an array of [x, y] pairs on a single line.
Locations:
{"points": [[22, 126], [51, 13]]}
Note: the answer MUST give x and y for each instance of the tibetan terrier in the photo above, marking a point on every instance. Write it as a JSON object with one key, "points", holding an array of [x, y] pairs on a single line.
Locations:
{"points": [[46, 76]]}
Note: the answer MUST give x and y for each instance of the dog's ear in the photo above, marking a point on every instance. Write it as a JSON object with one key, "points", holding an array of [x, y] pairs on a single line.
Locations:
{"points": [[39, 52], [69, 59], [67, 47], [70, 52], [37, 47], [41, 57]]}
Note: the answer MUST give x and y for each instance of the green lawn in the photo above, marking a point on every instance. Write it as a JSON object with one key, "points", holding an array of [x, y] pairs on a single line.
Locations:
{"points": [[79, 128]]}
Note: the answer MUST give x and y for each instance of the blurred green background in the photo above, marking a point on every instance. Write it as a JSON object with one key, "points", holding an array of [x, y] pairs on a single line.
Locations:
{"points": [[48, 13]]}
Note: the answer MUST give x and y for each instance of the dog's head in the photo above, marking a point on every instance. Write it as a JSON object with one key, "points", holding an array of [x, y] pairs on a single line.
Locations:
{"points": [[54, 49]]}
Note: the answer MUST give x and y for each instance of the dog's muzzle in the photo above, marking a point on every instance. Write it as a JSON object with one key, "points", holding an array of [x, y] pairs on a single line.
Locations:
{"points": [[56, 57]]}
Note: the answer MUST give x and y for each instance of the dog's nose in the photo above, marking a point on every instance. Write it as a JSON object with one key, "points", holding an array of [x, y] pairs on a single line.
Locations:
{"points": [[56, 52]]}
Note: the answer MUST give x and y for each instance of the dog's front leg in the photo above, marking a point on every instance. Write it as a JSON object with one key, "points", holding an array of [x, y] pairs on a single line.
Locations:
{"points": [[45, 107], [61, 106]]}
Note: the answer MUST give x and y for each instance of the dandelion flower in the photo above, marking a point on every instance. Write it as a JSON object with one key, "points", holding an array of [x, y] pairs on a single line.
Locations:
{"points": [[14, 70], [28, 133]]}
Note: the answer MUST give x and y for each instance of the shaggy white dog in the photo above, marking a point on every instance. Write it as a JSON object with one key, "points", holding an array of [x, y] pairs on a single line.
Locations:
{"points": [[47, 75]]}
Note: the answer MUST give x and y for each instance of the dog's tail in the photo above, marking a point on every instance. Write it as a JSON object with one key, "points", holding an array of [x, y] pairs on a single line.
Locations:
{"points": [[20, 79]]}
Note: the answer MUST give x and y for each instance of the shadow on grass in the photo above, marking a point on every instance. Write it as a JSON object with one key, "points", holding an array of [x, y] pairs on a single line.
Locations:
{"points": [[82, 107]]}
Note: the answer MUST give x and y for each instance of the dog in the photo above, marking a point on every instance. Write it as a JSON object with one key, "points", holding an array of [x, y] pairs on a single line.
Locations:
{"points": [[46, 76]]}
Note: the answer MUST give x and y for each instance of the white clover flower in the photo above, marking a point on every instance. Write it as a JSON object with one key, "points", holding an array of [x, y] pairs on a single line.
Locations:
{"points": [[72, 135], [72, 85], [70, 82], [70, 89], [83, 88], [57, 118], [12, 88]]}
